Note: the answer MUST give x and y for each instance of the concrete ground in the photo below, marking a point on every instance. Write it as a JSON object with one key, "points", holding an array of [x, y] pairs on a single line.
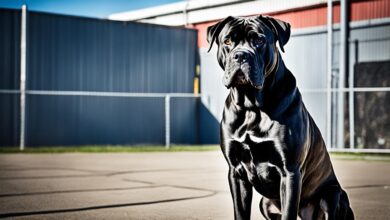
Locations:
{"points": [[179, 185]]}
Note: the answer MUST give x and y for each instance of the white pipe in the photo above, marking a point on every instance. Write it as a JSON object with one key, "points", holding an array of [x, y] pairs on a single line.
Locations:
{"points": [[342, 71], [167, 122], [23, 76], [351, 107], [329, 76], [185, 13]]}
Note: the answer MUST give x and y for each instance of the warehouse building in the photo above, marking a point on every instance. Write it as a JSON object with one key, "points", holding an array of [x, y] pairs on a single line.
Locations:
{"points": [[343, 99]]}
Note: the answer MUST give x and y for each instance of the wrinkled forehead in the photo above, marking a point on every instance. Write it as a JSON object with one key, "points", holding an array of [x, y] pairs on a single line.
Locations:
{"points": [[242, 27]]}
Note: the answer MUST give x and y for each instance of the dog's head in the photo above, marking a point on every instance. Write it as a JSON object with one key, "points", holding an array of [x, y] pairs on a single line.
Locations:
{"points": [[247, 48]]}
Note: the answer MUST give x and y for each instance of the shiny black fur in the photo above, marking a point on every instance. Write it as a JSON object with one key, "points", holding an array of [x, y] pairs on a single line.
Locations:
{"points": [[268, 138]]}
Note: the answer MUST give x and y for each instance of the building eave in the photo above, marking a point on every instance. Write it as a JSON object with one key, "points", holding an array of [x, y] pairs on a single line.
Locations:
{"points": [[170, 15]]}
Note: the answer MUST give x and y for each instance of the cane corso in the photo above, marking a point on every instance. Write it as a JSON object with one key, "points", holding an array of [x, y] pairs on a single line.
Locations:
{"points": [[268, 138]]}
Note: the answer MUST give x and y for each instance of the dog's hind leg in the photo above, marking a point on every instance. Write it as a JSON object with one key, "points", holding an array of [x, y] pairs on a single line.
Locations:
{"points": [[345, 208], [335, 204], [269, 209]]}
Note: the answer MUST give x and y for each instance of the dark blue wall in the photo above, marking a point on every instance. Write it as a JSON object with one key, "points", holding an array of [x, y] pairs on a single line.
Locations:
{"points": [[72, 53], [83, 120], [9, 119], [67, 53], [9, 76], [9, 49]]}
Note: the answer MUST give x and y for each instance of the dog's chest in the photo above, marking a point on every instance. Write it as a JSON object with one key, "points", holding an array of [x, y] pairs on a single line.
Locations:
{"points": [[258, 156], [254, 128], [258, 164]]}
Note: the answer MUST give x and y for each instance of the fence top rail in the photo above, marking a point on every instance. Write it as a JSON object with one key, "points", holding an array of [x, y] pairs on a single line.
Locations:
{"points": [[136, 94], [352, 89], [113, 94], [9, 91], [355, 150]]}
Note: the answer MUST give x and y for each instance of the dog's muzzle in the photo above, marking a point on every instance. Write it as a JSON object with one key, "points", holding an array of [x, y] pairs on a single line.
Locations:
{"points": [[242, 70]]}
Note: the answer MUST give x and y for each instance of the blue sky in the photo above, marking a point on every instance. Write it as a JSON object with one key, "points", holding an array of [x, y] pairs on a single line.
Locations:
{"points": [[89, 8]]}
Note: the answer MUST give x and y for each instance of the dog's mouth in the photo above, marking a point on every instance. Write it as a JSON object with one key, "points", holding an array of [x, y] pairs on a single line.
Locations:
{"points": [[239, 78]]}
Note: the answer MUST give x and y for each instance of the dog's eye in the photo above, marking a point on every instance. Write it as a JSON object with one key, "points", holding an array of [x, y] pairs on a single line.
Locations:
{"points": [[227, 41], [259, 41]]}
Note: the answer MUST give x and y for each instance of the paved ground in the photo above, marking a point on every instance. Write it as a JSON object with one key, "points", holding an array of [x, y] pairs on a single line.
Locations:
{"points": [[181, 185]]}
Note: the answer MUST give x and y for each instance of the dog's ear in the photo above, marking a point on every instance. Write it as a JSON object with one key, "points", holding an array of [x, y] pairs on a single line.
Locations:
{"points": [[281, 29], [214, 30]]}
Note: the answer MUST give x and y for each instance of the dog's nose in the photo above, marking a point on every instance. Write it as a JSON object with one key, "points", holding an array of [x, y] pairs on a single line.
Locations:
{"points": [[240, 56]]}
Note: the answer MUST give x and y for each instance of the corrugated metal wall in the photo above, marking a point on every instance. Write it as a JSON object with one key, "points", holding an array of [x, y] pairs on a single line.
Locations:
{"points": [[78, 120], [72, 53], [81, 54], [9, 75]]}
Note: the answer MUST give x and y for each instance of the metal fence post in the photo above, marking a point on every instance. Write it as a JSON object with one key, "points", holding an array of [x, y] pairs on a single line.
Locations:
{"points": [[351, 109], [23, 76], [343, 70], [329, 77], [167, 121]]}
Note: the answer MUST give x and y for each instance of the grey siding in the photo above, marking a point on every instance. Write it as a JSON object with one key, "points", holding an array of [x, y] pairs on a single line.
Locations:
{"points": [[305, 56], [373, 43]]}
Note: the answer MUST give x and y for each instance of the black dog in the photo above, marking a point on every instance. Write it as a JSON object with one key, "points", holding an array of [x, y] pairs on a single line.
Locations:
{"points": [[268, 138]]}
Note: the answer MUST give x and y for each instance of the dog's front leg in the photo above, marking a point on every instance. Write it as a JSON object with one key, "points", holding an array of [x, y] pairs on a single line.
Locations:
{"points": [[241, 191], [290, 190]]}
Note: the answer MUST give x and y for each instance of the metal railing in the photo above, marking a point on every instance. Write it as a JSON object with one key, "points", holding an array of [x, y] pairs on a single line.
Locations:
{"points": [[167, 108], [167, 103]]}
